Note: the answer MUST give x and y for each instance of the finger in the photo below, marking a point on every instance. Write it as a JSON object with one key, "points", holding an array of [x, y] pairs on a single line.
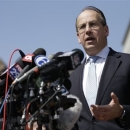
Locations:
{"points": [[114, 98], [101, 108], [98, 113], [103, 116], [93, 106], [100, 117]]}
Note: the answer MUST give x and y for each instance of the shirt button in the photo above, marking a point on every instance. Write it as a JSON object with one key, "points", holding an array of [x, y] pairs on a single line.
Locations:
{"points": [[94, 122]]}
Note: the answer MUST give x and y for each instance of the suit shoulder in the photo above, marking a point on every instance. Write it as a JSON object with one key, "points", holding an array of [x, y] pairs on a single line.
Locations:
{"points": [[123, 55], [118, 54]]}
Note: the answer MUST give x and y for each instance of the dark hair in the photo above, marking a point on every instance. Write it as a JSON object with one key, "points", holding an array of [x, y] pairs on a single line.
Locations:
{"points": [[103, 19]]}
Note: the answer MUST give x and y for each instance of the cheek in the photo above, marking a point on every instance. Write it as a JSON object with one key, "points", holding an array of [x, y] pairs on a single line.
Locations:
{"points": [[98, 35], [80, 39]]}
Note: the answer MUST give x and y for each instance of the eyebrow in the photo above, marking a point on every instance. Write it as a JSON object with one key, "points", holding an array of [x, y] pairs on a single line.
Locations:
{"points": [[88, 22]]}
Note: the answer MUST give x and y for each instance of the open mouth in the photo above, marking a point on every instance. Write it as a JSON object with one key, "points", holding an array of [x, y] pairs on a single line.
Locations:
{"points": [[90, 39]]}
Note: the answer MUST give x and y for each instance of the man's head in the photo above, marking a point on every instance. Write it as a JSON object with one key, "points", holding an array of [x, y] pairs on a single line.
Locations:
{"points": [[92, 30]]}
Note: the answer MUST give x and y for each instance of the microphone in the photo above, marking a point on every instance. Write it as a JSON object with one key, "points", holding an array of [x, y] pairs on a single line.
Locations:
{"points": [[68, 107], [29, 62], [65, 87], [70, 116], [14, 71], [22, 65], [29, 58], [67, 118], [50, 57], [69, 60], [61, 64]]}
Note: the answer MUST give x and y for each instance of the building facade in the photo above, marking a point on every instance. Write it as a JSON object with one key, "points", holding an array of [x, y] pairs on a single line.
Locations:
{"points": [[126, 40]]}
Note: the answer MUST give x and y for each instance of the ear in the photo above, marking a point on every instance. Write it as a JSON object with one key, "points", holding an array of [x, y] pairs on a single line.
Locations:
{"points": [[106, 30], [78, 36]]}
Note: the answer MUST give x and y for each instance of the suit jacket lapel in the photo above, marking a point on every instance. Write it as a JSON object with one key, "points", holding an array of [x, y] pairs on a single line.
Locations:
{"points": [[110, 68]]}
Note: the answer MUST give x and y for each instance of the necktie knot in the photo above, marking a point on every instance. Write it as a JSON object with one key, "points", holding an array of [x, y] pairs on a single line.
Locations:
{"points": [[93, 59]]}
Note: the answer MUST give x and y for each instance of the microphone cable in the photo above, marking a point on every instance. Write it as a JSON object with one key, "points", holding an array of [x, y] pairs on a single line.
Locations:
{"points": [[6, 89]]}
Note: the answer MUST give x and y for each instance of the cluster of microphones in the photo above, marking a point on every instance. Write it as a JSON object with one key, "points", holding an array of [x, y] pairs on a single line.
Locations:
{"points": [[38, 90]]}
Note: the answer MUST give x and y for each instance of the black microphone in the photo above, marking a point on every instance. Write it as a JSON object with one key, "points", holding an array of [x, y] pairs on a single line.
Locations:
{"points": [[70, 60], [14, 71], [22, 65], [61, 64], [28, 60], [54, 86], [21, 62], [29, 63]]}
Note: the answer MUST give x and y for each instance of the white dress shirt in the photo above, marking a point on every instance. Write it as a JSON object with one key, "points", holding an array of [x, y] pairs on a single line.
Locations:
{"points": [[100, 62]]}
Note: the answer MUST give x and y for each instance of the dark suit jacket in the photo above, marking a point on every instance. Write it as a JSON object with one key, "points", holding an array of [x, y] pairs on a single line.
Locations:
{"points": [[115, 78]]}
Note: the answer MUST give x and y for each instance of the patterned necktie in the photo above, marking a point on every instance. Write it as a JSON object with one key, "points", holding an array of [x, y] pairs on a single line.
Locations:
{"points": [[91, 88]]}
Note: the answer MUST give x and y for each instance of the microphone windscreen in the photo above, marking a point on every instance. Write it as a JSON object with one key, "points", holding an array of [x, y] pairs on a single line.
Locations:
{"points": [[17, 66], [70, 116], [57, 54], [50, 57], [39, 55], [20, 62], [81, 54], [39, 51], [21, 53]]}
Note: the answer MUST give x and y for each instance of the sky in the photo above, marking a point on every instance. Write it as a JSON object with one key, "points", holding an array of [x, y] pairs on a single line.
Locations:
{"points": [[50, 24]]}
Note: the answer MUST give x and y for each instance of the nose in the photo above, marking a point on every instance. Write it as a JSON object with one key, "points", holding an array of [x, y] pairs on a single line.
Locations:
{"points": [[88, 29]]}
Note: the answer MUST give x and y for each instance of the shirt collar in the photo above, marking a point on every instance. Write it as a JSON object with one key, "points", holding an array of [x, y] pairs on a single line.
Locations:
{"points": [[103, 53]]}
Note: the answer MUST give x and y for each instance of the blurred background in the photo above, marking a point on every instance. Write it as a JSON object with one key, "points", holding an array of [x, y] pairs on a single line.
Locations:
{"points": [[50, 24]]}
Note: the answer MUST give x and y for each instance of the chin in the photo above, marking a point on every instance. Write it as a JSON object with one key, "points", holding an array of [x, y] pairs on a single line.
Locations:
{"points": [[91, 50]]}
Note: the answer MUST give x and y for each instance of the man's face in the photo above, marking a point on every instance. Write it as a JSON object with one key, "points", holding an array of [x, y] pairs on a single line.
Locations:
{"points": [[91, 33]]}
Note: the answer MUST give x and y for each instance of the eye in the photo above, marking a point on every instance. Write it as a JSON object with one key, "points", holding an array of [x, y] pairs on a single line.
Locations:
{"points": [[82, 26], [93, 24]]}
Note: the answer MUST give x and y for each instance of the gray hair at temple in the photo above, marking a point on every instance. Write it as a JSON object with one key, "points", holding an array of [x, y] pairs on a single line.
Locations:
{"points": [[103, 19]]}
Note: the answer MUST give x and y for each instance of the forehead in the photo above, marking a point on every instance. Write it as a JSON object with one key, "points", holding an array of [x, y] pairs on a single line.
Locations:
{"points": [[88, 15]]}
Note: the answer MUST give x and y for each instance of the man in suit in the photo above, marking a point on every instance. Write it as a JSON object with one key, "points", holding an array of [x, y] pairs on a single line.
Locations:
{"points": [[107, 107]]}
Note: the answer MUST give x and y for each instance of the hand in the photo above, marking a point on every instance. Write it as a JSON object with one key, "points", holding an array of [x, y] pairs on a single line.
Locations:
{"points": [[35, 127], [107, 112]]}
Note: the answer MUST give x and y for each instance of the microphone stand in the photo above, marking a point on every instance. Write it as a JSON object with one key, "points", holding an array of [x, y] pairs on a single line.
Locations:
{"points": [[55, 121], [55, 93]]}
